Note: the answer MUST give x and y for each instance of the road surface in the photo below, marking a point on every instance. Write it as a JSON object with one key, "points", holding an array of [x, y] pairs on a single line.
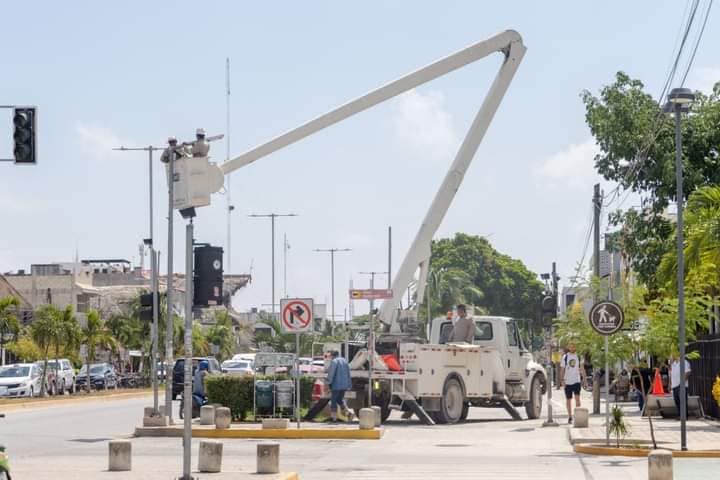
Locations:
{"points": [[70, 442]]}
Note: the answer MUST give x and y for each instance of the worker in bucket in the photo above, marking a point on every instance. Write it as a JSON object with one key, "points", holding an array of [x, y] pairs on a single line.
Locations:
{"points": [[339, 381], [464, 328]]}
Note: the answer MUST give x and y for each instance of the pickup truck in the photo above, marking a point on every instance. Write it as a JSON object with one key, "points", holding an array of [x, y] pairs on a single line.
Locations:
{"points": [[439, 382]]}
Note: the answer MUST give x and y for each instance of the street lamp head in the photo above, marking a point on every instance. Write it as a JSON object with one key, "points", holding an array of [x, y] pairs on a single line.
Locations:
{"points": [[681, 96]]}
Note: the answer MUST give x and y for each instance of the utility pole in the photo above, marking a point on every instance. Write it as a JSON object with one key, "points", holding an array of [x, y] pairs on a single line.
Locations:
{"points": [[153, 273], [169, 314], [228, 184], [272, 217], [550, 422], [286, 247], [371, 332], [187, 390], [332, 279], [597, 208], [389, 270]]}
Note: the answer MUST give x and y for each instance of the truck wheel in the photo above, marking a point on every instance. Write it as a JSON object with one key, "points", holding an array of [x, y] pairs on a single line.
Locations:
{"points": [[534, 404], [452, 402]]}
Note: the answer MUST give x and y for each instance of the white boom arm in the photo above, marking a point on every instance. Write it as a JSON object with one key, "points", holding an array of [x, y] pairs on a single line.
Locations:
{"points": [[510, 44]]}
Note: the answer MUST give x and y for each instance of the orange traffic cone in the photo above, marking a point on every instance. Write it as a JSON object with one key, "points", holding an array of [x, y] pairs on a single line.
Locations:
{"points": [[657, 388]]}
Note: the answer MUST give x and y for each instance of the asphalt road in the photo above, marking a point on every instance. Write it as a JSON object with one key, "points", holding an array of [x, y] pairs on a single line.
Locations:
{"points": [[70, 442]]}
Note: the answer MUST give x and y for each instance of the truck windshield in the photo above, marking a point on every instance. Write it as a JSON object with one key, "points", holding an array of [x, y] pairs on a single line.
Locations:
{"points": [[483, 331]]}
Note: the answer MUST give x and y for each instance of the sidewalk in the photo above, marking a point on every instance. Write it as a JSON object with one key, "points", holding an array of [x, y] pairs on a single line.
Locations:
{"points": [[701, 434]]}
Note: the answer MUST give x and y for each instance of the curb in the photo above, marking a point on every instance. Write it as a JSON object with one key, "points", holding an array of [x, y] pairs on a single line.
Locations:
{"points": [[289, 434], [22, 405], [641, 452]]}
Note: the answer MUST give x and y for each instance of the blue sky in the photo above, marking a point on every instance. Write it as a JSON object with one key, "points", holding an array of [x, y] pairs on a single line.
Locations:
{"points": [[105, 74]]}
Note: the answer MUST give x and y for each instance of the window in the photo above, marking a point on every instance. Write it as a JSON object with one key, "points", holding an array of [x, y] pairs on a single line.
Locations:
{"points": [[512, 334], [483, 331]]}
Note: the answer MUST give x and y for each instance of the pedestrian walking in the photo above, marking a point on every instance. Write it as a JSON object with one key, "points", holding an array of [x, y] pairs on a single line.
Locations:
{"points": [[339, 381], [464, 328], [675, 380], [641, 382], [572, 378]]}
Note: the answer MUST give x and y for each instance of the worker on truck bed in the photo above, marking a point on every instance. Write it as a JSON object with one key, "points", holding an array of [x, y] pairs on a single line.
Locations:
{"points": [[339, 381], [464, 328]]}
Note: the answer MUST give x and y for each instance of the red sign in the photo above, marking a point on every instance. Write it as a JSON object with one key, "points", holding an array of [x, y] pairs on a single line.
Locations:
{"points": [[296, 315], [371, 294]]}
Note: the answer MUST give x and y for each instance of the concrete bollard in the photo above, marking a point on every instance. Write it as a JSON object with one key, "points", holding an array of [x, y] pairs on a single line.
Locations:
{"points": [[222, 417], [581, 418], [660, 465], [367, 419], [119, 455], [207, 415], [148, 412], [275, 423], [210, 456], [268, 457], [378, 415]]}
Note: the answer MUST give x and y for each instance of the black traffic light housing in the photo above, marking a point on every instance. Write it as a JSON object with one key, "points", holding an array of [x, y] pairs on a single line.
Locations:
{"points": [[208, 276], [146, 307], [25, 136], [549, 309]]}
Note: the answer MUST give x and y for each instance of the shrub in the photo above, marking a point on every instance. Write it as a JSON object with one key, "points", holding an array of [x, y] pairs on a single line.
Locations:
{"points": [[236, 392], [716, 390]]}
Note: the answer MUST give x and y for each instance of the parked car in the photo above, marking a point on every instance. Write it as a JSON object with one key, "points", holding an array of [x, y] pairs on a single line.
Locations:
{"points": [[179, 372], [20, 380], [102, 376], [66, 375], [245, 357], [237, 367]]}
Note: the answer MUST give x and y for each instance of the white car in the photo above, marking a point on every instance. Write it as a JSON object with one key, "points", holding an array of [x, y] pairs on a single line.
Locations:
{"points": [[20, 380], [237, 367]]}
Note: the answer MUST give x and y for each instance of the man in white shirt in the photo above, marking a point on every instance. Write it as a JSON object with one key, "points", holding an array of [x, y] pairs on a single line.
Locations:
{"points": [[675, 380], [572, 376]]}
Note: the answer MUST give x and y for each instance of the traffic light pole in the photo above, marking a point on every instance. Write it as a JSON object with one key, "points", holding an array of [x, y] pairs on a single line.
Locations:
{"points": [[154, 330]]}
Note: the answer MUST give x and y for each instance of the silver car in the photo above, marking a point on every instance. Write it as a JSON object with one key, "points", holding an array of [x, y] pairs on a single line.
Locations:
{"points": [[20, 380]]}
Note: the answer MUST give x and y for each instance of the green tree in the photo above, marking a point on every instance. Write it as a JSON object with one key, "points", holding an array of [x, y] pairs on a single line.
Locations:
{"points": [[9, 325], [45, 331], [221, 334], [25, 348], [474, 272], [96, 335], [637, 150]]}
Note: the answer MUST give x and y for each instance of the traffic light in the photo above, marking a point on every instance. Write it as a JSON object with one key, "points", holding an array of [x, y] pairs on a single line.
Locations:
{"points": [[146, 307], [25, 121], [208, 277], [549, 309]]}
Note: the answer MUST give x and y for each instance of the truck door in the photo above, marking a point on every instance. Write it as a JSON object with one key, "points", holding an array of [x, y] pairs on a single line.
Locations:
{"points": [[513, 364]]}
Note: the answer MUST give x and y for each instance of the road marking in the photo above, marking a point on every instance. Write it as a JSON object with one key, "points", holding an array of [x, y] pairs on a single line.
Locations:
{"points": [[460, 472]]}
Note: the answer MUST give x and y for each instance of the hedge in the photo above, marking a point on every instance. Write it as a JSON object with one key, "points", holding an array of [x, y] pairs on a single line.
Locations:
{"points": [[236, 392]]}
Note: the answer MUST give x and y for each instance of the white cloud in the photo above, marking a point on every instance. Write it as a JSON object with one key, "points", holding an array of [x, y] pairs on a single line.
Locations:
{"points": [[97, 141], [422, 124], [704, 79], [572, 167]]}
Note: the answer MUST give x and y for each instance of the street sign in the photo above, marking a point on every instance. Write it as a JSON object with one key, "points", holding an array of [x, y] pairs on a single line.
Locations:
{"points": [[371, 294], [264, 359], [607, 317], [296, 314]]}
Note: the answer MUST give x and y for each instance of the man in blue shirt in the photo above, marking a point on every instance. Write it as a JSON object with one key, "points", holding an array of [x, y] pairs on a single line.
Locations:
{"points": [[339, 381]]}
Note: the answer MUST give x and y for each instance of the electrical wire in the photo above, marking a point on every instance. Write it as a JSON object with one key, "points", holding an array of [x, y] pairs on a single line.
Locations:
{"points": [[697, 43]]}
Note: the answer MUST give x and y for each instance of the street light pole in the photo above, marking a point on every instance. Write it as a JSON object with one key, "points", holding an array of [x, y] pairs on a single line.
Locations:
{"points": [[332, 279], [272, 217], [679, 101], [371, 333], [153, 273]]}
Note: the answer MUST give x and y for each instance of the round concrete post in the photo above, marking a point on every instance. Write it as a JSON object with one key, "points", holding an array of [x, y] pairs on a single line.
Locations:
{"points": [[660, 465], [210, 457], [367, 419], [378, 415], [580, 418], [119, 455], [207, 415], [222, 417], [268, 457]]}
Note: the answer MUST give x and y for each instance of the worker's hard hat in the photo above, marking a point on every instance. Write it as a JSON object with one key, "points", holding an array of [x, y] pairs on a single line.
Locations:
{"points": [[200, 131], [172, 139]]}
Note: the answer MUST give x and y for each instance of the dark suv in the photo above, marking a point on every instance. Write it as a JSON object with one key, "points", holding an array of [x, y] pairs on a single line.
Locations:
{"points": [[179, 372]]}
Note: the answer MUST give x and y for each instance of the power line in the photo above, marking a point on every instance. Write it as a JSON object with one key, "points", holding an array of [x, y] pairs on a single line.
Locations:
{"points": [[697, 42]]}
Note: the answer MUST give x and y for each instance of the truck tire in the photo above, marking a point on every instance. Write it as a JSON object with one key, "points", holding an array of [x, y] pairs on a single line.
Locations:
{"points": [[452, 402], [533, 406]]}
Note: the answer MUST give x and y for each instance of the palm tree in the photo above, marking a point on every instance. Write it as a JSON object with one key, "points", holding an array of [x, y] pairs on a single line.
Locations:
{"points": [[8, 321], [67, 335], [44, 331], [94, 335]]}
